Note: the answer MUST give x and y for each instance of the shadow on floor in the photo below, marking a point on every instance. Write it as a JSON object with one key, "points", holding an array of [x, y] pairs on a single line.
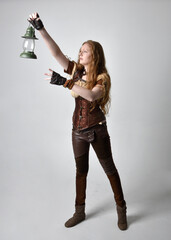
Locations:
{"points": [[149, 204], [106, 206]]}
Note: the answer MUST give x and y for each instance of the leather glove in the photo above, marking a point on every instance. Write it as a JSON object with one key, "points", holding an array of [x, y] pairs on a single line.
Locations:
{"points": [[36, 22], [59, 80]]}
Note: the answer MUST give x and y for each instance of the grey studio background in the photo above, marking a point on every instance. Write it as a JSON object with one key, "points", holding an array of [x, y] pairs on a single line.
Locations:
{"points": [[37, 169]]}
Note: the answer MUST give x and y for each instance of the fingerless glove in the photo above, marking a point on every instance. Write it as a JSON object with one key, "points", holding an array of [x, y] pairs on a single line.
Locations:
{"points": [[37, 24], [57, 79]]}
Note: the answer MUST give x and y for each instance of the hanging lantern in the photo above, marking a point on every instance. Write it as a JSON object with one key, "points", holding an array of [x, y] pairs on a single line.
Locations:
{"points": [[29, 44]]}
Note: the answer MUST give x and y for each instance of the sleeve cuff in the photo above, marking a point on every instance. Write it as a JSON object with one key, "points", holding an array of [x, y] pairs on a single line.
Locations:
{"points": [[70, 68]]}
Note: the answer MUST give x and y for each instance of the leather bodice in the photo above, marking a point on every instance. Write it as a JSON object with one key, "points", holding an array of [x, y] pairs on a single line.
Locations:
{"points": [[83, 117]]}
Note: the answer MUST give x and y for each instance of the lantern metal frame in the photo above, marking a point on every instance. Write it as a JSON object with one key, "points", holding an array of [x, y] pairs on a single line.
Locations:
{"points": [[30, 34]]}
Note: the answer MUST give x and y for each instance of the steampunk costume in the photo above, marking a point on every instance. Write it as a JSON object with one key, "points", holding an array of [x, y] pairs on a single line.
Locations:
{"points": [[89, 127]]}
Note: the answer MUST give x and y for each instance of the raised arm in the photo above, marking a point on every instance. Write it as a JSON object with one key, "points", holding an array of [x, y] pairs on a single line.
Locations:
{"points": [[51, 44], [54, 49]]}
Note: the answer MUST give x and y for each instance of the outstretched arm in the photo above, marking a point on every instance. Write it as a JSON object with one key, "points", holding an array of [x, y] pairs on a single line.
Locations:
{"points": [[90, 95], [51, 44]]}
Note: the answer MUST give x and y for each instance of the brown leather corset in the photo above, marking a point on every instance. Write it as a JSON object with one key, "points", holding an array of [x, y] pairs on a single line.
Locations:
{"points": [[84, 118]]}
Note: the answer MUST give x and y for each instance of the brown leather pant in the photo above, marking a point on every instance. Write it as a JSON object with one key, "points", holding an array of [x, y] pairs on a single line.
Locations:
{"points": [[99, 138]]}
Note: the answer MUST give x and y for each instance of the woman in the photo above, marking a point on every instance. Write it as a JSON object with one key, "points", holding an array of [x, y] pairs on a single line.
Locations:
{"points": [[90, 86]]}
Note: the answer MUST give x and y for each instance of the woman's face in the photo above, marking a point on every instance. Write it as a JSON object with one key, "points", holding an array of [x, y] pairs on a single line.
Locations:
{"points": [[85, 56]]}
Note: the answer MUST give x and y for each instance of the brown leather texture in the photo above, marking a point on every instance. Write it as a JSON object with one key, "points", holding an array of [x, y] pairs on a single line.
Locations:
{"points": [[83, 117], [99, 138]]}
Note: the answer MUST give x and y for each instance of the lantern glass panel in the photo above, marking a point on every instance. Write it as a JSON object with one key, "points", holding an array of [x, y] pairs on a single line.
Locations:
{"points": [[29, 45]]}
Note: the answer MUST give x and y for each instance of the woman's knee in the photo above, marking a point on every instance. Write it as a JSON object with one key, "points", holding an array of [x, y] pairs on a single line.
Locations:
{"points": [[82, 164], [108, 165]]}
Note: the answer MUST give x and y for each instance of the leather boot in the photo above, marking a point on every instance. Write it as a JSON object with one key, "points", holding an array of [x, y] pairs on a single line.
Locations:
{"points": [[122, 219], [78, 216]]}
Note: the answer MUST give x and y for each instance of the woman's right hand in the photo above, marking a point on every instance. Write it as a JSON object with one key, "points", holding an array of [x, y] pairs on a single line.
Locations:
{"points": [[55, 78], [35, 21], [51, 44]]}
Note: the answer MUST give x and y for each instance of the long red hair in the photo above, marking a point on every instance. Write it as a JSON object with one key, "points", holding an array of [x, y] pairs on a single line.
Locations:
{"points": [[95, 68]]}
